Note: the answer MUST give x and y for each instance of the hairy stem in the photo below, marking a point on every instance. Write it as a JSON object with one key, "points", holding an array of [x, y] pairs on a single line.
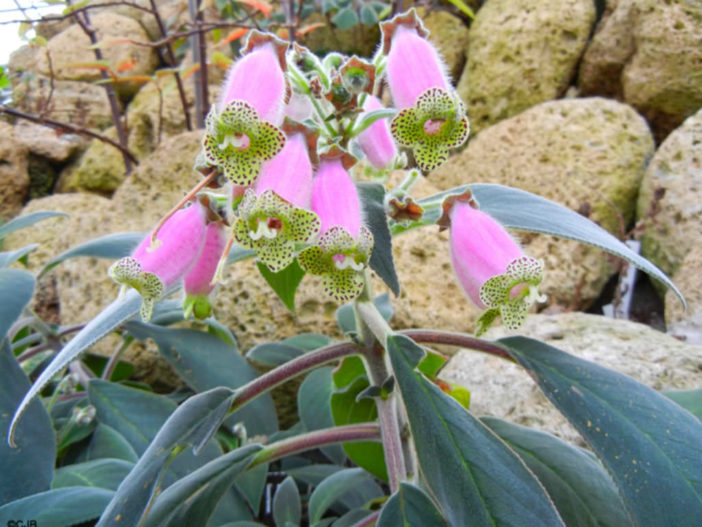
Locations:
{"points": [[373, 330], [316, 439], [291, 369], [428, 336]]}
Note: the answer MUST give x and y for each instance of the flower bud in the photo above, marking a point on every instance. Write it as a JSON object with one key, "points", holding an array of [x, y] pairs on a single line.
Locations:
{"points": [[490, 265], [198, 280], [152, 270], [376, 141], [258, 79], [413, 64]]}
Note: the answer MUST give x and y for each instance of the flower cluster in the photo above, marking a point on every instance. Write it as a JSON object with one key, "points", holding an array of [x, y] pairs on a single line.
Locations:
{"points": [[279, 157]]}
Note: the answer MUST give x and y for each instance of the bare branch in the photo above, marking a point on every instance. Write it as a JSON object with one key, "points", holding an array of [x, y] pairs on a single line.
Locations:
{"points": [[69, 128]]}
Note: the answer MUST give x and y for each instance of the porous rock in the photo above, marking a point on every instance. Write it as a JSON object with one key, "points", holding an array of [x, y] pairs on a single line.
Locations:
{"points": [[74, 102], [686, 324], [521, 53], [47, 142], [450, 36], [648, 52], [672, 224], [72, 46], [587, 154], [502, 389], [14, 178]]}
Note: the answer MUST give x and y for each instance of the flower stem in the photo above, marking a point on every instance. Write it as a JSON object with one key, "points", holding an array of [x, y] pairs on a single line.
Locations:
{"points": [[316, 439], [373, 330], [428, 336], [291, 369]]}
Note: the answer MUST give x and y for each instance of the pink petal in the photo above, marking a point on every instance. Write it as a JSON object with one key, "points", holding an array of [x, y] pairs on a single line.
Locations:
{"points": [[413, 67], [376, 141], [480, 248], [198, 278], [289, 174], [181, 239], [257, 79], [335, 198]]}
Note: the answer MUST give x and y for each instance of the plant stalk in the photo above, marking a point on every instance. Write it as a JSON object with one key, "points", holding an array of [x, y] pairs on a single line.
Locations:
{"points": [[428, 336], [290, 369], [316, 439]]}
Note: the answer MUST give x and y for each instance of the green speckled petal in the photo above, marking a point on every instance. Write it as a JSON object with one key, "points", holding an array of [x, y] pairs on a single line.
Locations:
{"points": [[240, 167], [210, 149], [240, 231], [271, 204], [495, 291], [313, 261], [248, 204], [267, 141], [406, 127], [304, 225], [486, 320], [336, 240], [525, 270], [459, 134], [128, 271], [277, 253], [514, 314], [237, 116], [436, 103], [343, 286], [430, 156], [365, 241]]}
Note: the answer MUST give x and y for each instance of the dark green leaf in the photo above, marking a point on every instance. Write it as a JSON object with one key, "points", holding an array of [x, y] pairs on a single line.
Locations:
{"points": [[192, 499], [345, 18], [518, 209], [59, 507], [72, 432], [350, 487], [352, 518], [350, 380], [372, 200], [650, 445], [29, 468], [108, 442], [410, 507], [469, 470], [313, 406], [287, 507], [251, 485], [578, 484], [139, 415], [16, 289], [102, 473], [7, 258], [313, 474], [368, 16], [132, 496], [112, 246], [347, 320], [284, 282], [20, 222], [204, 362], [691, 400], [328, 5]]}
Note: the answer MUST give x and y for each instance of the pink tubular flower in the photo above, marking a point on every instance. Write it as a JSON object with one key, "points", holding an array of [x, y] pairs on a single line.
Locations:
{"points": [[151, 270], [258, 79], [376, 141], [413, 65], [343, 250], [289, 173], [490, 266], [198, 280], [334, 197]]}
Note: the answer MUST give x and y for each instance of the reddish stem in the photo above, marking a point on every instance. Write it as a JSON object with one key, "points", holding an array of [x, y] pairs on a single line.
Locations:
{"points": [[428, 336]]}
